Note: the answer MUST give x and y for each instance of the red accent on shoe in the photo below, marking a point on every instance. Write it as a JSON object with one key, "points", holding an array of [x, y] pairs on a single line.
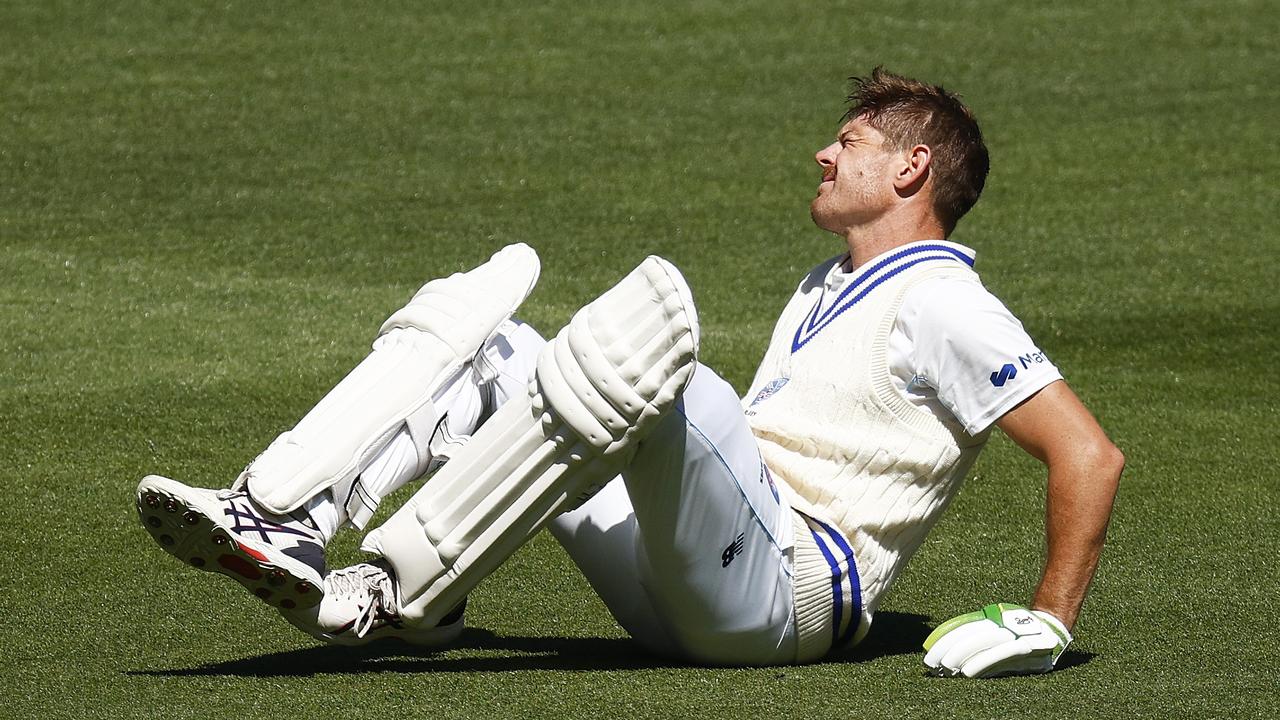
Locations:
{"points": [[253, 553], [239, 566]]}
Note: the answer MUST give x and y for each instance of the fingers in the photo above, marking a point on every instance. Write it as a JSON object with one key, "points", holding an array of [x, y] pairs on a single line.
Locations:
{"points": [[1001, 639], [1015, 657], [950, 653]]}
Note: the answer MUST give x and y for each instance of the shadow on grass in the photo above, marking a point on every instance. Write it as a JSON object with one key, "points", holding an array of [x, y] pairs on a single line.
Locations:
{"points": [[1072, 658], [514, 654], [893, 634]]}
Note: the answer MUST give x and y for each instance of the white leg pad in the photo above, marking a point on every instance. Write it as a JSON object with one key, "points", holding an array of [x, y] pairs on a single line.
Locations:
{"points": [[600, 386], [421, 349]]}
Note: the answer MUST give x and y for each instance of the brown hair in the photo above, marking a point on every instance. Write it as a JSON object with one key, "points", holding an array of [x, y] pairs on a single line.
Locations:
{"points": [[909, 112]]}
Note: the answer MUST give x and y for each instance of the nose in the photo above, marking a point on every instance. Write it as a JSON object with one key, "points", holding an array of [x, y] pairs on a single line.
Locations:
{"points": [[826, 157]]}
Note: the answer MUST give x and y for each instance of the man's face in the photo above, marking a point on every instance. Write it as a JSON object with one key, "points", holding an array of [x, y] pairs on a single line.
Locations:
{"points": [[857, 178]]}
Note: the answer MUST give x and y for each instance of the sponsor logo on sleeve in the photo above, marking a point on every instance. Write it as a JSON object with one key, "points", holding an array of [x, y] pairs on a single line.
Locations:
{"points": [[1032, 358], [1004, 375], [1009, 371]]}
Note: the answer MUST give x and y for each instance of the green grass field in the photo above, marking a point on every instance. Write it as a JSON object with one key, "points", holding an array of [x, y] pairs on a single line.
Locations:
{"points": [[206, 212]]}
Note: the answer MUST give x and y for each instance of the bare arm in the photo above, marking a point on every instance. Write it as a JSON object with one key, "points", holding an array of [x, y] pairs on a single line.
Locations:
{"points": [[1084, 472]]}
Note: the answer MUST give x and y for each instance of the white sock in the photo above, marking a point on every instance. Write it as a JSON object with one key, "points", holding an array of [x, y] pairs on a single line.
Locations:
{"points": [[394, 466], [325, 514], [397, 464]]}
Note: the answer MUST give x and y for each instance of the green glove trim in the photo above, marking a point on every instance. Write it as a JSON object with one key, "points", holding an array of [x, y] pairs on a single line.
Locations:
{"points": [[950, 625], [993, 612]]}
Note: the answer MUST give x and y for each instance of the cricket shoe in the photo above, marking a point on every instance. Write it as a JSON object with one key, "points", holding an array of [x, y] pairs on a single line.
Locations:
{"points": [[278, 558], [360, 605]]}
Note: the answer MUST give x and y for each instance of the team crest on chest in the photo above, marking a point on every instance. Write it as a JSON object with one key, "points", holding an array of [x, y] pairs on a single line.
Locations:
{"points": [[769, 390]]}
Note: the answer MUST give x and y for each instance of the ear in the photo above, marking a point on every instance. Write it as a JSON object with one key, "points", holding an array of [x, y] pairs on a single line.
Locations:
{"points": [[914, 170]]}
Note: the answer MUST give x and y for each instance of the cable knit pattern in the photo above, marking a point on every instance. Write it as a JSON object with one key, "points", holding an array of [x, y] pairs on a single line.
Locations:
{"points": [[845, 444]]}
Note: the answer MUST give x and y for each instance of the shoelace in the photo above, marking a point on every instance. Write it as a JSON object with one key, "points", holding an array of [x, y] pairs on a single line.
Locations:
{"points": [[363, 581]]}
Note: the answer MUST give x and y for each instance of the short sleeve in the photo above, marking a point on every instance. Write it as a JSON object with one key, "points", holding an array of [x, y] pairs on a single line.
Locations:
{"points": [[973, 352]]}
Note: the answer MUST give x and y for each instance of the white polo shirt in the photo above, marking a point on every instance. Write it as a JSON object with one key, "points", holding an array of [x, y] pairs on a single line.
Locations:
{"points": [[956, 350]]}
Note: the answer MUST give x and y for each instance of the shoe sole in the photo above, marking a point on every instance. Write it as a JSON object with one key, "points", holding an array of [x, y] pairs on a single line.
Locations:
{"points": [[186, 532]]}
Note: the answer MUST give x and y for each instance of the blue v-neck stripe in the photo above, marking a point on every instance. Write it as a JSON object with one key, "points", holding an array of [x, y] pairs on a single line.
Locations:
{"points": [[817, 319]]}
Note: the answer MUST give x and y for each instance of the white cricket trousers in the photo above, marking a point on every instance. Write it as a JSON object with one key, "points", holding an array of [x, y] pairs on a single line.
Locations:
{"points": [[690, 548]]}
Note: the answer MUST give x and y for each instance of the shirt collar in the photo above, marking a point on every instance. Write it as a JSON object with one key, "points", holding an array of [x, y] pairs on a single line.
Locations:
{"points": [[840, 274]]}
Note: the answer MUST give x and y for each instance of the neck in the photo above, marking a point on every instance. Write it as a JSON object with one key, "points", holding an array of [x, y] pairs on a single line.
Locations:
{"points": [[868, 241]]}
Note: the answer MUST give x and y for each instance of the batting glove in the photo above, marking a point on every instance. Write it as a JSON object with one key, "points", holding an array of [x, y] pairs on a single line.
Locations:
{"points": [[999, 639]]}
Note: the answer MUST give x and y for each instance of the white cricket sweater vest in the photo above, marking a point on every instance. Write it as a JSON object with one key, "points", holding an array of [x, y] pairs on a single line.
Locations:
{"points": [[849, 449]]}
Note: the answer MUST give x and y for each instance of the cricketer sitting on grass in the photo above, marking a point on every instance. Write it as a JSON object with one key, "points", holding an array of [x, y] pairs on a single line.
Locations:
{"points": [[725, 531]]}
